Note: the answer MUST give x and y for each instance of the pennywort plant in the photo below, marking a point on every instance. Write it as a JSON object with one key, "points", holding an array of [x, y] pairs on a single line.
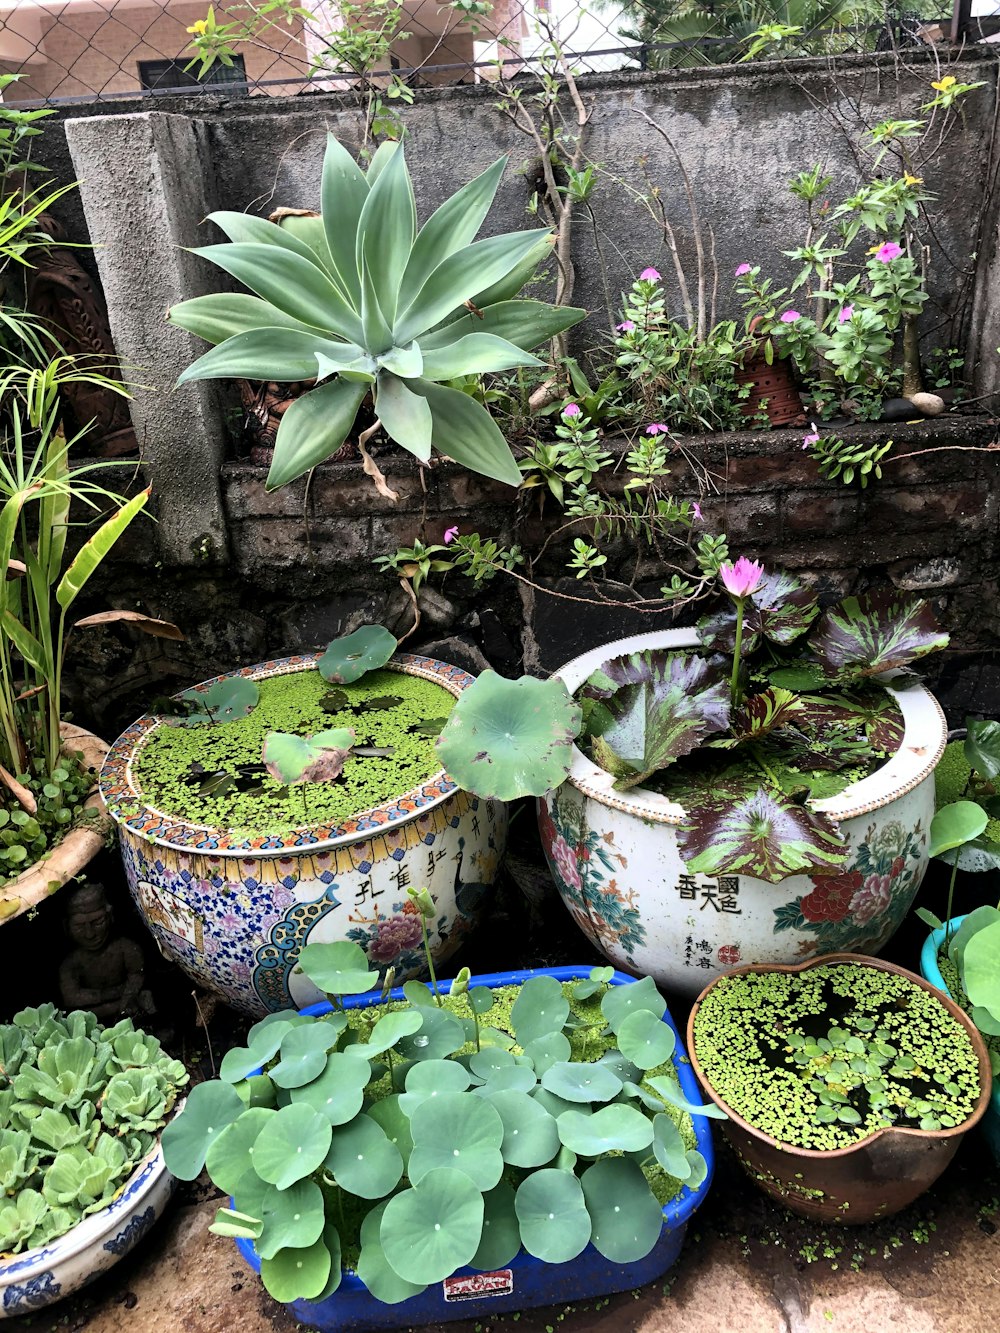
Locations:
{"points": [[409, 1137]]}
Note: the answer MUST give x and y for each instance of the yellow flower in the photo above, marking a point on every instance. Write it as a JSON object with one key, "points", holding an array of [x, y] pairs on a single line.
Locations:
{"points": [[944, 84], [874, 250], [912, 180], [198, 27]]}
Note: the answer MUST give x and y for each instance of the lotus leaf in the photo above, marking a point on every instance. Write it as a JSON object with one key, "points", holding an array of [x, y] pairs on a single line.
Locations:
{"points": [[134, 1099], [530, 1135], [431, 1078], [228, 1222], [348, 659], [540, 1009], [227, 1158], [210, 1107], [510, 738], [780, 610], [459, 1133], [552, 1215], [292, 1218], [518, 1078], [874, 634], [433, 1228], [388, 1113], [582, 1082], [363, 1160], [621, 1001], [670, 1149], [240, 1061], [318, 758], [339, 1091], [616, 1128], [373, 1268], [340, 968], [297, 1273], [669, 1089], [441, 1034], [982, 747], [291, 1144], [303, 1054], [616, 1062], [595, 984], [627, 1220], [389, 1029], [225, 701], [980, 972], [956, 824], [645, 1040], [546, 1051]]}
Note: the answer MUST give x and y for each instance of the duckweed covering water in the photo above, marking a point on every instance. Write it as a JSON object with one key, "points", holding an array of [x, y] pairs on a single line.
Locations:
{"points": [[162, 769], [824, 1058]]}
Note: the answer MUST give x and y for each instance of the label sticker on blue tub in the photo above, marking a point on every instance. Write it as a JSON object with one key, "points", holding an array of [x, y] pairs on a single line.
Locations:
{"points": [[479, 1286]]}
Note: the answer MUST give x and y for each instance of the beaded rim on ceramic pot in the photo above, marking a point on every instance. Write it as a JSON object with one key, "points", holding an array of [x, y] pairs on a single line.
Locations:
{"points": [[908, 767], [121, 794]]}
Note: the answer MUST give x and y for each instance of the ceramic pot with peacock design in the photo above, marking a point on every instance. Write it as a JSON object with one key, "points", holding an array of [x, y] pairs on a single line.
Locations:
{"points": [[234, 910]]}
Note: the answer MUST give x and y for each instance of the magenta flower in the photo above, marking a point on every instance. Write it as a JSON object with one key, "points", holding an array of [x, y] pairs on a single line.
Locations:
{"points": [[696, 510], [812, 437], [450, 535], [649, 275], [742, 578], [571, 410], [790, 316], [846, 313], [657, 428], [888, 252], [741, 269], [626, 326]]}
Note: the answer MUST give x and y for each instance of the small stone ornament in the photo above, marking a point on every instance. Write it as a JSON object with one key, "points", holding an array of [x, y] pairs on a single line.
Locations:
{"points": [[104, 972]]}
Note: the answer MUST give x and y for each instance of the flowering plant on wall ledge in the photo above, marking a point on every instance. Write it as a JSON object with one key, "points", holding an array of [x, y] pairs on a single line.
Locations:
{"points": [[784, 705]]}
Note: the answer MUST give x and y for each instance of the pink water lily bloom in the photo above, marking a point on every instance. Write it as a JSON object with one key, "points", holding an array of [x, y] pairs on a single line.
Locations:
{"points": [[649, 275], [657, 428], [742, 578], [790, 316], [450, 535], [846, 313], [888, 252], [741, 270], [571, 410], [626, 326]]}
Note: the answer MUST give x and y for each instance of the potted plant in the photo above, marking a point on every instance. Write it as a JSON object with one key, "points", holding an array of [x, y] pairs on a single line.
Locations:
{"points": [[766, 748], [299, 799], [83, 1178], [450, 1150], [847, 1082]]}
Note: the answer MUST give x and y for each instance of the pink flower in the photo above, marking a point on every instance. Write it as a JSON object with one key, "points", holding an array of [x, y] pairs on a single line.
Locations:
{"points": [[626, 326], [393, 937], [649, 275], [872, 899], [449, 535], [790, 316], [888, 252], [743, 268], [571, 410], [657, 428], [696, 510], [742, 578], [564, 862], [812, 437], [846, 313]]}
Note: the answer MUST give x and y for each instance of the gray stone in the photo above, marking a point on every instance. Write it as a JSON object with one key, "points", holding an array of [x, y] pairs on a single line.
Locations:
{"points": [[459, 650], [941, 572]]}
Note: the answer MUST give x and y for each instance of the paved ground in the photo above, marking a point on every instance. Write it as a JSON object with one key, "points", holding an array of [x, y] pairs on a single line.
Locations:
{"points": [[746, 1267]]}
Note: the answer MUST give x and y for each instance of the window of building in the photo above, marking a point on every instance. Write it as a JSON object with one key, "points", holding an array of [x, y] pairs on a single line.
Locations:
{"points": [[157, 76]]}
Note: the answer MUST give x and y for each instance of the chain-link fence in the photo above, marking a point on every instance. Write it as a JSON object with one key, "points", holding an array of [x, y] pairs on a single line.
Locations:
{"points": [[65, 51]]}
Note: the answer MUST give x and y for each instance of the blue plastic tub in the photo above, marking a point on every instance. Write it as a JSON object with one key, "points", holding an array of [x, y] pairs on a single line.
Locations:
{"points": [[929, 970], [526, 1281]]}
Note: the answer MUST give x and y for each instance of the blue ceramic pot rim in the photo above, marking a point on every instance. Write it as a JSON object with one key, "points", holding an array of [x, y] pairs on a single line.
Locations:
{"points": [[676, 1211], [931, 972]]}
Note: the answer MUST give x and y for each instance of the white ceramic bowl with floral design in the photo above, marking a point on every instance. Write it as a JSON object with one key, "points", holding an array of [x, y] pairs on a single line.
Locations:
{"points": [[615, 859], [35, 1278]]}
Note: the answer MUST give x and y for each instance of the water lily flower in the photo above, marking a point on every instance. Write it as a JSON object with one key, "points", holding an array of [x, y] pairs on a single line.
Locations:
{"points": [[846, 313], [742, 578], [626, 326], [571, 410], [942, 85], [696, 510], [450, 535], [649, 275], [657, 428], [888, 252], [790, 316], [741, 269]]}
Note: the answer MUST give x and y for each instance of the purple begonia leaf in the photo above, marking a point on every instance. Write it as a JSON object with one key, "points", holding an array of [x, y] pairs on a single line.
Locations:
{"points": [[762, 713], [781, 609], [742, 828], [663, 706], [874, 633]]}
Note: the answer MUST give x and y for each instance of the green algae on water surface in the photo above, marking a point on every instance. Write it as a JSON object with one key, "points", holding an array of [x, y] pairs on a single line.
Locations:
{"points": [[162, 767]]}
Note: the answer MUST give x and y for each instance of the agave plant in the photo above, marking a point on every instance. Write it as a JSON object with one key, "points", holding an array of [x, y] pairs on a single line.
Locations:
{"points": [[359, 300]]}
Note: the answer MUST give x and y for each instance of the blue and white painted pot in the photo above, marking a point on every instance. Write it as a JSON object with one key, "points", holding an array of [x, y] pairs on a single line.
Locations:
{"points": [[235, 913], [38, 1277], [615, 860]]}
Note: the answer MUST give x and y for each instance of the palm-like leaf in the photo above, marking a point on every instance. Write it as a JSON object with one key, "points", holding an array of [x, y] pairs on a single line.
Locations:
{"points": [[359, 295]]}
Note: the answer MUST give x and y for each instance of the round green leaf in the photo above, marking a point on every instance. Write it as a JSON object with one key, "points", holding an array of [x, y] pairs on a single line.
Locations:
{"points": [[955, 824], [519, 1078], [460, 1132], [669, 1089], [389, 1029], [616, 1062], [363, 1161], [331, 1239], [614, 1128], [433, 1077], [292, 1217], [547, 1051], [539, 1010], [257, 1090], [595, 983], [431, 1230], [552, 1215], [486, 1062], [481, 1000], [442, 1034], [290, 1017], [388, 1113], [299, 1274], [339, 1091], [348, 659], [340, 968], [556, 1106], [510, 738], [582, 1082], [291, 1145], [501, 1235], [530, 1137], [627, 1220], [373, 1268], [209, 1109], [243, 1060], [620, 1001], [228, 1154], [669, 1148], [303, 1055], [645, 1039]]}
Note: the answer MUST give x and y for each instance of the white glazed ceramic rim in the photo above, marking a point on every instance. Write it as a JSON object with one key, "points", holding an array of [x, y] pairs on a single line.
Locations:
{"points": [[89, 1232], [924, 738]]}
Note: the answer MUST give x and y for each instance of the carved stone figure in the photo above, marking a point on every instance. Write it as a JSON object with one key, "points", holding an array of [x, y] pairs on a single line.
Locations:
{"points": [[104, 973]]}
